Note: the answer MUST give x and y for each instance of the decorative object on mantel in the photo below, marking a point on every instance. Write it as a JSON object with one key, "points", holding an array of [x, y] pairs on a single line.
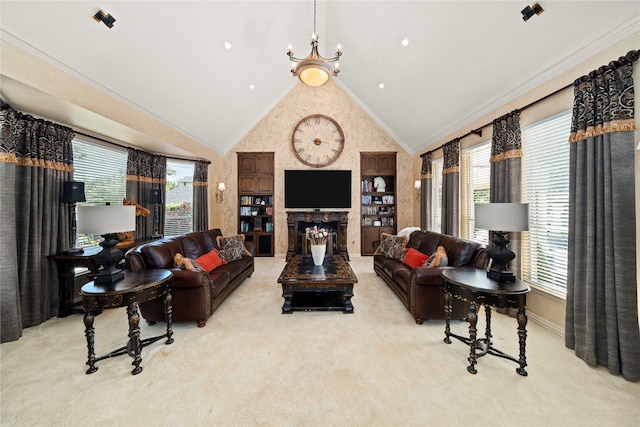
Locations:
{"points": [[107, 221], [73, 192], [318, 238], [314, 70], [504, 217]]}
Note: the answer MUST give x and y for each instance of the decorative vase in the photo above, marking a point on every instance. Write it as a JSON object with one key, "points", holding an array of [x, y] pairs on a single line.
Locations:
{"points": [[317, 252]]}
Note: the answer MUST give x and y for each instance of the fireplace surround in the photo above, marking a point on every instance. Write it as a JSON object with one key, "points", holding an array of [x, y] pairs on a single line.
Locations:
{"points": [[298, 221]]}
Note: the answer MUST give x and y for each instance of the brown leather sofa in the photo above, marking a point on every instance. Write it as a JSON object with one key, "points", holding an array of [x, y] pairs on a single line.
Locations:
{"points": [[420, 289], [195, 294]]}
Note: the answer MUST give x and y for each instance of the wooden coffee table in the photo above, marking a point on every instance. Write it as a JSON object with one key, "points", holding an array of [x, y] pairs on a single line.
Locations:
{"points": [[326, 287]]}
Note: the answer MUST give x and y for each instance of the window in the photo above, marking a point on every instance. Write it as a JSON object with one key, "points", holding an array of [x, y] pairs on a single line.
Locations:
{"points": [[546, 188], [436, 197], [103, 170], [476, 171], [179, 199]]}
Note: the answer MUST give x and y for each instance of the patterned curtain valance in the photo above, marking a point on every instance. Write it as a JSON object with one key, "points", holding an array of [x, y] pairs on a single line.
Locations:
{"points": [[146, 167], [604, 100], [451, 157], [426, 166], [506, 142], [28, 141], [200, 174]]}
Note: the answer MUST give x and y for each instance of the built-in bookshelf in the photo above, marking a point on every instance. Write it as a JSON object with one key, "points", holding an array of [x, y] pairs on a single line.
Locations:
{"points": [[255, 201], [378, 198]]}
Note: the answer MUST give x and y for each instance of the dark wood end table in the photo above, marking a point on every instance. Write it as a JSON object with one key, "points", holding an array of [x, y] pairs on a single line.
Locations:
{"points": [[326, 287], [473, 285], [136, 287]]}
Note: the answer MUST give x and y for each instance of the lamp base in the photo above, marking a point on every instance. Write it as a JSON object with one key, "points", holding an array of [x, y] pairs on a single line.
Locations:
{"points": [[500, 257], [109, 258], [74, 251]]}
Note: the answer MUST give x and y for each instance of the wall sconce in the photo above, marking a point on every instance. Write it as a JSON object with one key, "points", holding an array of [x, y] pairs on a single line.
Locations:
{"points": [[73, 192], [418, 185], [220, 192]]}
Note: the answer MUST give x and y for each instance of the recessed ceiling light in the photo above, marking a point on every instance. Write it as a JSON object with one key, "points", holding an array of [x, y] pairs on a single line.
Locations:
{"points": [[405, 42], [227, 44], [251, 86], [381, 85]]}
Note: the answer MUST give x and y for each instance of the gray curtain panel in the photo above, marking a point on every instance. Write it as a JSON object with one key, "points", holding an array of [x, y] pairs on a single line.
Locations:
{"points": [[451, 188], [602, 307], [426, 192], [144, 172], [36, 157], [506, 172], [200, 195]]}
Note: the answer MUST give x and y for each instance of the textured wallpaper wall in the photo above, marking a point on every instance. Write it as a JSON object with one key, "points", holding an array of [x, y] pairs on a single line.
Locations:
{"points": [[273, 133]]}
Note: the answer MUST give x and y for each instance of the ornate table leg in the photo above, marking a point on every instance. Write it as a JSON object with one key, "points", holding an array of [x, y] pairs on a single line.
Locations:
{"points": [[168, 314], [487, 334], [348, 306], [522, 338], [473, 321], [287, 294], [447, 316], [89, 332], [134, 337]]}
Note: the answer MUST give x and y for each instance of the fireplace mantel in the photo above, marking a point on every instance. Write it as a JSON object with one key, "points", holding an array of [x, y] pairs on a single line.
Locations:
{"points": [[336, 220]]}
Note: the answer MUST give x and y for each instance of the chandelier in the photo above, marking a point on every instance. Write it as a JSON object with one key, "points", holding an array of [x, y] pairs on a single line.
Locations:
{"points": [[314, 70]]}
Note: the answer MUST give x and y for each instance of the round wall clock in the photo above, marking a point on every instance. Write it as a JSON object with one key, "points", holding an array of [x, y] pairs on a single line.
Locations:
{"points": [[317, 140]]}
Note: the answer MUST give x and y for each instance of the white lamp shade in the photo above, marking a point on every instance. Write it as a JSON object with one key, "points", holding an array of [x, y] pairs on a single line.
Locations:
{"points": [[502, 216], [106, 219], [221, 186], [417, 184]]}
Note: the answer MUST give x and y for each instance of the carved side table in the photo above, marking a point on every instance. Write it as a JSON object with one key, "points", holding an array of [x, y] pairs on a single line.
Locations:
{"points": [[473, 285], [136, 287]]}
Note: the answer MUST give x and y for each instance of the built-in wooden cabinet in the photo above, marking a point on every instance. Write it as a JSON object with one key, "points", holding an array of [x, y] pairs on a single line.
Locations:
{"points": [[378, 207], [255, 201]]}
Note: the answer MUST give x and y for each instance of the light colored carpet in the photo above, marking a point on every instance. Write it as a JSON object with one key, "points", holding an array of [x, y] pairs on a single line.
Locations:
{"points": [[251, 365]]}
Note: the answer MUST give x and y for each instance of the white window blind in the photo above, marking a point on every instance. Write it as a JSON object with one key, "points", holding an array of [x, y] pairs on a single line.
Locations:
{"points": [[476, 182], [436, 208], [103, 170], [546, 188]]}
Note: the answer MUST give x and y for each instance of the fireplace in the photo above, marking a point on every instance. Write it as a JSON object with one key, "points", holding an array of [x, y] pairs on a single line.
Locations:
{"points": [[336, 221]]}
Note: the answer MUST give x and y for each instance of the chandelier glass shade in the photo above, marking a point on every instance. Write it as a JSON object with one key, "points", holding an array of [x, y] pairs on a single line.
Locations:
{"points": [[314, 70]]}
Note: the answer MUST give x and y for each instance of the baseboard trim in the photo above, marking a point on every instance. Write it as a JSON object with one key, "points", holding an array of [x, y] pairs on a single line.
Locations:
{"points": [[546, 324]]}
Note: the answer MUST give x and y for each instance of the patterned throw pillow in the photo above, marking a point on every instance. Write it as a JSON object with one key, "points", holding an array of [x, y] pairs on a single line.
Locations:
{"points": [[231, 248], [392, 246]]}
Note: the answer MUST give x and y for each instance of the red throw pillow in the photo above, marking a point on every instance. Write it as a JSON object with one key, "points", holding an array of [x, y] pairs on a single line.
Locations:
{"points": [[412, 258], [210, 261]]}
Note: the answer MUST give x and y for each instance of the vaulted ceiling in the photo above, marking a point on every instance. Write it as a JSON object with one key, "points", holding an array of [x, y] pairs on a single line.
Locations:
{"points": [[167, 58]]}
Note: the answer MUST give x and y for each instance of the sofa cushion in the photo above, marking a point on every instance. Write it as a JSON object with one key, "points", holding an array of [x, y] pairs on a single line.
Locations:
{"points": [[219, 281], [194, 244], [210, 261], [392, 246], [414, 258], [402, 278], [231, 248], [459, 251], [429, 242], [210, 237], [160, 253]]}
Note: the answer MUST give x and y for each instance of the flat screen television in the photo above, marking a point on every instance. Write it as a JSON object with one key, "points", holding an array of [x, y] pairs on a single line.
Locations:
{"points": [[317, 189]]}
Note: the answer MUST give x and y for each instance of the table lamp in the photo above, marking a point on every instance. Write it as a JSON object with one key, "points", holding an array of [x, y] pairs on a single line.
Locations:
{"points": [[73, 192], [156, 199], [501, 218], [107, 221]]}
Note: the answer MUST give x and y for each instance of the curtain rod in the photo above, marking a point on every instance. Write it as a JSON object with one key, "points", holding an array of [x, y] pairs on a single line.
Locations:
{"points": [[631, 56], [124, 146]]}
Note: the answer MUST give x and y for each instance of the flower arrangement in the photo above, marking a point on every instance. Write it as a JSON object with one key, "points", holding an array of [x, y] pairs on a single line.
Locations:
{"points": [[317, 236]]}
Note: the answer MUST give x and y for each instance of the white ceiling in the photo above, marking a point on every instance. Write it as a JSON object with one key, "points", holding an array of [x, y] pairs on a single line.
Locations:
{"points": [[166, 58]]}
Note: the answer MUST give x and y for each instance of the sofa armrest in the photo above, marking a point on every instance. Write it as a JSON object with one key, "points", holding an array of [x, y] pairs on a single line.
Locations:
{"points": [[251, 247], [189, 278]]}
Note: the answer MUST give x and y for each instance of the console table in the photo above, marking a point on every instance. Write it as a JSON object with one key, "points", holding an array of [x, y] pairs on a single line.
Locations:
{"points": [[473, 285], [336, 221], [136, 287]]}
